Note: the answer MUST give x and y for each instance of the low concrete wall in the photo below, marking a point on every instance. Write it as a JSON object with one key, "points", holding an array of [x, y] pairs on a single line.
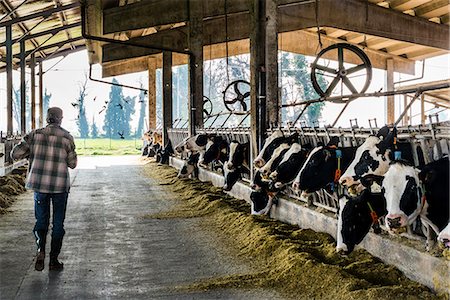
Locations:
{"points": [[419, 266]]}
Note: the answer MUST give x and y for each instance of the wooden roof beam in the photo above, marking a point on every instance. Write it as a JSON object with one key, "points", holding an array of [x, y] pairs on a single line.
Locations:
{"points": [[365, 18], [403, 5], [432, 9]]}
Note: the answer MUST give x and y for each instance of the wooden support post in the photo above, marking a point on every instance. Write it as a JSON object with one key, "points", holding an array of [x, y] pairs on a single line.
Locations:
{"points": [[167, 94], [271, 62], [423, 117], [390, 104], [23, 94], [41, 96], [195, 65], [151, 93], [257, 60], [405, 104], [9, 88], [33, 91]]}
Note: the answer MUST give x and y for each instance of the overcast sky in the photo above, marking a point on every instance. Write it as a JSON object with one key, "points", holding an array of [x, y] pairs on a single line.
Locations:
{"points": [[64, 79]]}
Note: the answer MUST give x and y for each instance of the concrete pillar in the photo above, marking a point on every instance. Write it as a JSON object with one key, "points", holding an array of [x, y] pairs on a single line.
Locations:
{"points": [[9, 88], [195, 65], [23, 94], [167, 94], [257, 60], [151, 93], [271, 62], [390, 102], [41, 96], [33, 91]]}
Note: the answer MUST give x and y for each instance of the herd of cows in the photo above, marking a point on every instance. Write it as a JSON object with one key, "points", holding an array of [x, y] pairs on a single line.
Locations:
{"points": [[375, 183]]}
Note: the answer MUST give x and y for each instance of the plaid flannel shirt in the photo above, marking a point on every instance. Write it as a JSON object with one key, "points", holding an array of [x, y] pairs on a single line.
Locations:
{"points": [[50, 151]]}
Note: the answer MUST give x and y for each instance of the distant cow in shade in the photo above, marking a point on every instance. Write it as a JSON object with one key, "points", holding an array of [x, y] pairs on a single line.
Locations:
{"points": [[162, 155], [237, 163], [410, 193]]}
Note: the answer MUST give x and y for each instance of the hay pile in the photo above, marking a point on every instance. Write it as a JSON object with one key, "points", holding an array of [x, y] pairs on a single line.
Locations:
{"points": [[300, 263], [11, 185]]}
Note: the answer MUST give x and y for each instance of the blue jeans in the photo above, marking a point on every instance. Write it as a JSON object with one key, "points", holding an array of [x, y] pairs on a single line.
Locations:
{"points": [[42, 213]]}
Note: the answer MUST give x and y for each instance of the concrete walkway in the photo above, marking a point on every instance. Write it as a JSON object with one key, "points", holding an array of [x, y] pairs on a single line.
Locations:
{"points": [[110, 250]]}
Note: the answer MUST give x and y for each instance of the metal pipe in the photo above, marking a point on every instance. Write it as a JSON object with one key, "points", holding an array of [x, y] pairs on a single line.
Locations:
{"points": [[9, 88], [23, 125], [345, 98], [407, 107], [416, 78], [115, 84]]}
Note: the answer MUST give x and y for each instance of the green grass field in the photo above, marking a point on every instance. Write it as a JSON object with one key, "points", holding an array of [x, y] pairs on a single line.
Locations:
{"points": [[104, 146]]}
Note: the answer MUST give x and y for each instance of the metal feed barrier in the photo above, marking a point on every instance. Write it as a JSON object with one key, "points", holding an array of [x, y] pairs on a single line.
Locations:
{"points": [[429, 143], [7, 143]]}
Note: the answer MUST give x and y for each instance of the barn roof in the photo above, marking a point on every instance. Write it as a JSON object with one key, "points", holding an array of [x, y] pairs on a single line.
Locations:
{"points": [[47, 28]]}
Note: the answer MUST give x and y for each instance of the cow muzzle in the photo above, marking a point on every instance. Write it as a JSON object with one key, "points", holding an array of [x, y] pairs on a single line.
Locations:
{"points": [[395, 222], [259, 162]]}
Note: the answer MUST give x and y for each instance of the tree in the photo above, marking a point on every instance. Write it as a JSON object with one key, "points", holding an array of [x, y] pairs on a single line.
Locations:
{"points": [[45, 104], [140, 127], [118, 113], [94, 129], [296, 86], [82, 123], [17, 107]]}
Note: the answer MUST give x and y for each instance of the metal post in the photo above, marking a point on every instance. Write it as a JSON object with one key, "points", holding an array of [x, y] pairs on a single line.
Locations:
{"points": [[9, 89], [41, 96], [23, 120], [423, 117], [33, 92], [405, 117], [167, 94]]}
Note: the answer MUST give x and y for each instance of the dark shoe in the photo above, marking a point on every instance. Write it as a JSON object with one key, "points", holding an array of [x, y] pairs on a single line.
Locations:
{"points": [[39, 266], [55, 265]]}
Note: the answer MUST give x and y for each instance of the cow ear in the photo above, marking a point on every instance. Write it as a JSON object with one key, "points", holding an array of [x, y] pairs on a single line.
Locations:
{"points": [[334, 141], [383, 132], [388, 140]]}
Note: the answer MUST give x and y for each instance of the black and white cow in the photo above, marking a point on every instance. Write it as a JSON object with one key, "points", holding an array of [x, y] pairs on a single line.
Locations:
{"points": [[372, 157], [216, 151], [319, 169], [444, 236], [196, 143], [237, 163], [274, 161], [270, 144], [357, 215], [190, 166], [289, 166], [261, 202], [410, 193], [162, 155]]}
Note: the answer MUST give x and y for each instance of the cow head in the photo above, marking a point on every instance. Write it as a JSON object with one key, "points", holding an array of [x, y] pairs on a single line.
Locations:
{"points": [[238, 154], [270, 144], [372, 157], [215, 148], [273, 162], [194, 143], [402, 193], [356, 215], [261, 202], [189, 166], [231, 177], [444, 237], [288, 168]]}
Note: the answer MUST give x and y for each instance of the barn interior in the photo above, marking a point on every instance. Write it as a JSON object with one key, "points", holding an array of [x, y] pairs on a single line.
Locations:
{"points": [[129, 36]]}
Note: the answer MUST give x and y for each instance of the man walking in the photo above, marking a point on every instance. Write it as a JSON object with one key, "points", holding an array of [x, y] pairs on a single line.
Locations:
{"points": [[50, 152]]}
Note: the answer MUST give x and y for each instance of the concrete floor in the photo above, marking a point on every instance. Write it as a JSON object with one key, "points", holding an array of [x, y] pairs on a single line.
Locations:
{"points": [[110, 250]]}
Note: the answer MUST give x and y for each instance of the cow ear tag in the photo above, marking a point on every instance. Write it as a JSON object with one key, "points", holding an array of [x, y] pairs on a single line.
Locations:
{"points": [[338, 172], [397, 155]]}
